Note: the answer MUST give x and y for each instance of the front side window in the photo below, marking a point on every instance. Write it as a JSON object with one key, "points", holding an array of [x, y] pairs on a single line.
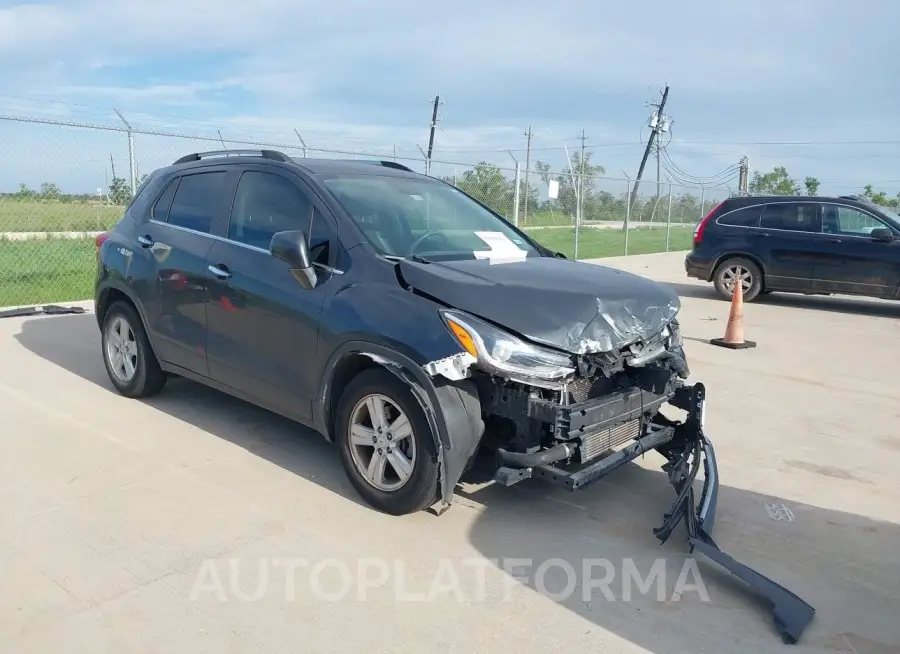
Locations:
{"points": [[402, 217], [266, 204], [837, 219], [197, 201], [791, 216]]}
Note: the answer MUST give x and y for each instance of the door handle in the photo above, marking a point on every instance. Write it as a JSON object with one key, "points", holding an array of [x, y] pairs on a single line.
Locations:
{"points": [[762, 234], [220, 271], [835, 240], [145, 241]]}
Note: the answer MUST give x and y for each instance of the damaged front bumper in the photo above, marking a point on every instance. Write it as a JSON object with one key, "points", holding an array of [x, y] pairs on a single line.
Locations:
{"points": [[686, 449]]}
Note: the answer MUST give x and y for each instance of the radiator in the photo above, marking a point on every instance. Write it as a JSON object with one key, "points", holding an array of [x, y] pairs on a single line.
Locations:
{"points": [[593, 445]]}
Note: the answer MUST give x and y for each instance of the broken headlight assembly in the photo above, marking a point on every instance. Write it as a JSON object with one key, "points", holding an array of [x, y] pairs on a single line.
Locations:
{"points": [[500, 353]]}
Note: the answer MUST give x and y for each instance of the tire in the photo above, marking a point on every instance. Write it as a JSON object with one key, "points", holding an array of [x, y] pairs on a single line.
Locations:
{"points": [[725, 274], [147, 377], [388, 491]]}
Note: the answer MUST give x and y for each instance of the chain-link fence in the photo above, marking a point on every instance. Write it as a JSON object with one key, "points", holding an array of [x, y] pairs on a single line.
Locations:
{"points": [[88, 173]]}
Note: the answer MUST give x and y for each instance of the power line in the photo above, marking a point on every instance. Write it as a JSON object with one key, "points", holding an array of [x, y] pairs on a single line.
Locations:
{"points": [[671, 165]]}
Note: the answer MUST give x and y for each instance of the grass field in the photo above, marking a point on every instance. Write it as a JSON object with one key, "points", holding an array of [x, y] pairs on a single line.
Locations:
{"points": [[37, 216], [33, 216], [41, 271], [599, 243], [62, 270]]}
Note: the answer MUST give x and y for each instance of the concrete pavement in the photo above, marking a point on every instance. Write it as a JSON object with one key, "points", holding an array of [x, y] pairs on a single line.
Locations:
{"points": [[195, 522]]}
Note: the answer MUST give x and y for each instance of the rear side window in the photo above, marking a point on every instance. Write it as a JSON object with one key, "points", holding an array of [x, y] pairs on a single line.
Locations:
{"points": [[164, 203], [791, 216], [197, 201], [746, 217]]}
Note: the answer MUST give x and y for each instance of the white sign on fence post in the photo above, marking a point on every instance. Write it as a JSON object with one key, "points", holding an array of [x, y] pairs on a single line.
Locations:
{"points": [[552, 189]]}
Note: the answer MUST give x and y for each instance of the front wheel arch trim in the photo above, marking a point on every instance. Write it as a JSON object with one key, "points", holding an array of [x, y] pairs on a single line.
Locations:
{"points": [[429, 398]]}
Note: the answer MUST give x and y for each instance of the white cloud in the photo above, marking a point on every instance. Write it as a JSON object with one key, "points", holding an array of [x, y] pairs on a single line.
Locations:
{"points": [[359, 75]]}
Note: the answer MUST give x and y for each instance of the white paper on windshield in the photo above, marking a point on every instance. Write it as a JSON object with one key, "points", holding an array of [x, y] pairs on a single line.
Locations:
{"points": [[502, 249]]}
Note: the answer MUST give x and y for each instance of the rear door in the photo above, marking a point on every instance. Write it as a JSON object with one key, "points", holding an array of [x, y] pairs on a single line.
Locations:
{"points": [[787, 243], [850, 261], [264, 326], [178, 238]]}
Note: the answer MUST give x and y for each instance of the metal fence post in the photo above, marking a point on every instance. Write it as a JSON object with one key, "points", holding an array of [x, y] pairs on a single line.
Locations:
{"points": [[577, 189], [669, 218], [627, 214], [132, 166], [516, 196]]}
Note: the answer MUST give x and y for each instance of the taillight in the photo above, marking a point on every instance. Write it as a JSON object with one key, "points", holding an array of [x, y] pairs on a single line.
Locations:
{"points": [[101, 239], [698, 231]]}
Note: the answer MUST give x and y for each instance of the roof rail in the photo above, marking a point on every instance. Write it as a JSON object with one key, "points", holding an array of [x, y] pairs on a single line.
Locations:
{"points": [[266, 154], [387, 164], [398, 166], [857, 198]]}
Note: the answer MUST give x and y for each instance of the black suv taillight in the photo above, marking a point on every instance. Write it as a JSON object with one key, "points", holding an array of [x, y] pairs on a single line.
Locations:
{"points": [[698, 231]]}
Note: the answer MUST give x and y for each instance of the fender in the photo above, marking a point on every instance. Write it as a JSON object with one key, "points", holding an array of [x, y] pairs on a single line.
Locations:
{"points": [[109, 284], [452, 408]]}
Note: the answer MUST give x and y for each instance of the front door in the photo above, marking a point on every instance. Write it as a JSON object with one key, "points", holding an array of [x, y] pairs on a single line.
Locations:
{"points": [[263, 326], [786, 242], [177, 240], [850, 260]]}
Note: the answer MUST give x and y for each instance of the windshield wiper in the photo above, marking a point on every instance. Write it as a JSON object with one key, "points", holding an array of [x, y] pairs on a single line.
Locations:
{"points": [[418, 258]]}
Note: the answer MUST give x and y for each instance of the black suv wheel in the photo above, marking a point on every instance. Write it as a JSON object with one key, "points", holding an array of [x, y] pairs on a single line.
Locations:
{"points": [[738, 268], [130, 363], [386, 444]]}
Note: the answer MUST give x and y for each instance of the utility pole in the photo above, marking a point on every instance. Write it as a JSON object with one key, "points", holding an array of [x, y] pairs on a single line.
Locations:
{"points": [[657, 121], [744, 177], [434, 114], [527, 170]]}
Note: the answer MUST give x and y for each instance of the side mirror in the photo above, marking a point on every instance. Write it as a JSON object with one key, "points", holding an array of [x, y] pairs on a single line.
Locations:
{"points": [[291, 248], [882, 234]]}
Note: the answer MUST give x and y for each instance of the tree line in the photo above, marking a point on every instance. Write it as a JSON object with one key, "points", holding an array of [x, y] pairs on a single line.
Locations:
{"points": [[488, 183], [779, 182]]}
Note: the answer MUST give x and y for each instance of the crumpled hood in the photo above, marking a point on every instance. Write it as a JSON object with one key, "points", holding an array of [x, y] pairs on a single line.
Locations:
{"points": [[577, 307]]}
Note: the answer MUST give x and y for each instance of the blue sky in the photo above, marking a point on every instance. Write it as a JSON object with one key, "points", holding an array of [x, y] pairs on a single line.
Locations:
{"points": [[811, 84]]}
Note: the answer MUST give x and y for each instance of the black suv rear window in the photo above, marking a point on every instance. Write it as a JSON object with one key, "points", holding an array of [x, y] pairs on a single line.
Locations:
{"points": [[745, 217]]}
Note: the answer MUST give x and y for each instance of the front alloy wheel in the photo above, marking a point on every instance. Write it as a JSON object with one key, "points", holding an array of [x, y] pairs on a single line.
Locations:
{"points": [[386, 443], [382, 443]]}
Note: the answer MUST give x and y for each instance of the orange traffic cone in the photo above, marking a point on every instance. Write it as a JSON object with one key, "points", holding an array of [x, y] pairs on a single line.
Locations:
{"points": [[734, 331]]}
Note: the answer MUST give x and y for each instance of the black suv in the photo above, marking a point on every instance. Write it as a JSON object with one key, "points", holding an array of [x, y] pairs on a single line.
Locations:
{"points": [[410, 325], [811, 245]]}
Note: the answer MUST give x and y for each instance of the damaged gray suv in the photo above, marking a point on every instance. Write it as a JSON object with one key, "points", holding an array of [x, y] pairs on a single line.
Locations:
{"points": [[411, 326]]}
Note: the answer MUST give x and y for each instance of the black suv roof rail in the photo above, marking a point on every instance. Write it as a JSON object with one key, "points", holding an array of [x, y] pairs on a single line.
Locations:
{"points": [[274, 155], [390, 164], [857, 198]]}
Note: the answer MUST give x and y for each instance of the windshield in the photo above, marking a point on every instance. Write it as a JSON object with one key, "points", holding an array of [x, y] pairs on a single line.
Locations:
{"points": [[402, 217], [891, 214]]}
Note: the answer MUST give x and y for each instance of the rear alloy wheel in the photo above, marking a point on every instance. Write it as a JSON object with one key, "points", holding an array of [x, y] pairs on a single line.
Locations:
{"points": [[130, 363], [386, 443], [734, 271]]}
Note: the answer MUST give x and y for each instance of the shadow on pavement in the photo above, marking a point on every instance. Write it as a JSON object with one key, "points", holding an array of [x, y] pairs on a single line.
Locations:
{"points": [[73, 343], [845, 565], [842, 304]]}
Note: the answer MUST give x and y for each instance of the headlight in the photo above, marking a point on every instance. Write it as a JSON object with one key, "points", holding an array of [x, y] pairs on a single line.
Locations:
{"points": [[503, 354]]}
